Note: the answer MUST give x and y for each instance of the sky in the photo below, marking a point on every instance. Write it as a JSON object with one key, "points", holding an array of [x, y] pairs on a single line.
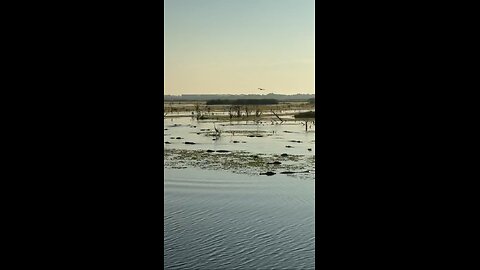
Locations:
{"points": [[238, 46]]}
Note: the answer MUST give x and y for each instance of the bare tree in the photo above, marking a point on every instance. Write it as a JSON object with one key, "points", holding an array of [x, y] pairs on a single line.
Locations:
{"points": [[258, 112], [230, 112], [247, 111], [239, 111], [198, 111]]}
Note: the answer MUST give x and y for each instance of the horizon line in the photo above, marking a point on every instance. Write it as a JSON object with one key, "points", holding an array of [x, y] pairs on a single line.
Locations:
{"points": [[209, 94]]}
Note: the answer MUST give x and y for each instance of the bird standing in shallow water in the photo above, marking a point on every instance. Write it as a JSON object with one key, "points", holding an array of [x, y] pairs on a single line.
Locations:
{"points": [[217, 132]]}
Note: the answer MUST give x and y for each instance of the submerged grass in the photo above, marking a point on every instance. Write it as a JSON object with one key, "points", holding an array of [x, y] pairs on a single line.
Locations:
{"points": [[241, 162]]}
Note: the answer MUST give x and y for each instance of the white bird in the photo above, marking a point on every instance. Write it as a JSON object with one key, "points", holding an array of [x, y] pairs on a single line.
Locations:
{"points": [[216, 130]]}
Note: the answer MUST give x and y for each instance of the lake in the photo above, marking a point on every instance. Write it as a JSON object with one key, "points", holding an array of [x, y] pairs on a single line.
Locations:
{"points": [[220, 212], [222, 220]]}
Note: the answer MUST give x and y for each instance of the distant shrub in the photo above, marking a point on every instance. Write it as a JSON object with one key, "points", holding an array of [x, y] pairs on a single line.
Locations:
{"points": [[310, 114], [242, 102]]}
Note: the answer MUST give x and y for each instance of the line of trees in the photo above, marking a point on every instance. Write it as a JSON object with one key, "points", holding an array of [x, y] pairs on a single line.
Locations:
{"points": [[242, 102], [205, 97], [310, 114]]}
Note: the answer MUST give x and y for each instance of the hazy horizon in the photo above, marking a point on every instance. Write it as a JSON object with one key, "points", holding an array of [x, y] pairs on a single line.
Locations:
{"points": [[237, 46]]}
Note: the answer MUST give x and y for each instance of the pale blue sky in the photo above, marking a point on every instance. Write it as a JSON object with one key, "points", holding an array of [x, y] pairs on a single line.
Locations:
{"points": [[236, 46]]}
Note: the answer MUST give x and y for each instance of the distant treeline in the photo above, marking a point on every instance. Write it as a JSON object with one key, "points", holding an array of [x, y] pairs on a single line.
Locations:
{"points": [[279, 97], [305, 115], [242, 102]]}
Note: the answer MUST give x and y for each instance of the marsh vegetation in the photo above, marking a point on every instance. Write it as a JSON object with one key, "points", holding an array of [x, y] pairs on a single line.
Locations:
{"points": [[247, 139]]}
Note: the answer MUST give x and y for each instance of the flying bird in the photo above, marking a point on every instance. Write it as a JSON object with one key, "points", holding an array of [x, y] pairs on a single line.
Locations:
{"points": [[261, 89]]}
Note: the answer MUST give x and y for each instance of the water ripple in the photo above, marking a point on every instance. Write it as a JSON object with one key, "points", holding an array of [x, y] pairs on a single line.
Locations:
{"points": [[237, 222]]}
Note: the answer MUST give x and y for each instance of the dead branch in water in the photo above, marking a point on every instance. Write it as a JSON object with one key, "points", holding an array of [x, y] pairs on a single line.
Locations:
{"points": [[281, 120]]}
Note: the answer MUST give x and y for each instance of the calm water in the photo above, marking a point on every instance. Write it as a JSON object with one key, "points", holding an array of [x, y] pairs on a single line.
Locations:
{"points": [[221, 220], [277, 137]]}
